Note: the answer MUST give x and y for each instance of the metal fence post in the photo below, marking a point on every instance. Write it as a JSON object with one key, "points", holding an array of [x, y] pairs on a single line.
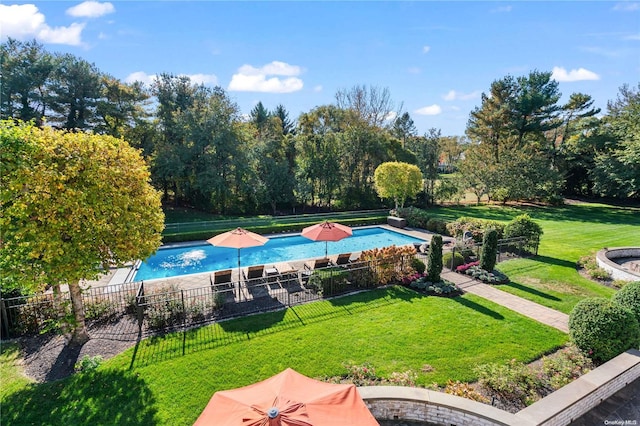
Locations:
{"points": [[139, 308], [5, 319], [184, 310]]}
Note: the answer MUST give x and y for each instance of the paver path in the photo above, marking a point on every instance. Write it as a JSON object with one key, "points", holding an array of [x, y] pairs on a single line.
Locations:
{"points": [[525, 307]]}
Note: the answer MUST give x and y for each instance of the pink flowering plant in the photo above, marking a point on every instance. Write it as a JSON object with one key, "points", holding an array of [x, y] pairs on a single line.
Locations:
{"points": [[421, 283], [463, 268]]}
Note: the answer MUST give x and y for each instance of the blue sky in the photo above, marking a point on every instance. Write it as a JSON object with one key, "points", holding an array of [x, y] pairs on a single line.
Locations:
{"points": [[436, 58]]}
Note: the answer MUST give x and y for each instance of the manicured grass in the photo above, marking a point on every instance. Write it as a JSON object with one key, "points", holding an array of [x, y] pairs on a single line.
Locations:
{"points": [[169, 380], [11, 376], [570, 232]]}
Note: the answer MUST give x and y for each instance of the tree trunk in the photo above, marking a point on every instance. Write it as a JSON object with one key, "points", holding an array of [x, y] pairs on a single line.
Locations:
{"points": [[79, 335]]}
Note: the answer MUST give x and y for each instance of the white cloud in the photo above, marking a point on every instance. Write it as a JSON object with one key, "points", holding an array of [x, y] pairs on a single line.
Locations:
{"points": [[24, 22], [140, 76], [561, 74], [633, 37], [91, 9], [426, 49], [274, 68], [251, 79], [627, 6], [429, 110], [391, 116], [318, 88], [452, 95]]}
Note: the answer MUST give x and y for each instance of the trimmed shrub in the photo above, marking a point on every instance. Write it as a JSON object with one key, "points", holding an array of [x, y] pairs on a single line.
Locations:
{"points": [[390, 264], [434, 265], [489, 250], [418, 265], [438, 226], [477, 227], [523, 226], [603, 329], [416, 218], [451, 261], [629, 297]]}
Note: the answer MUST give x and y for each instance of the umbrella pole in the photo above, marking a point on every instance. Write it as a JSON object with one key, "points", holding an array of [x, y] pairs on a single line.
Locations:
{"points": [[239, 277], [326, 249]]}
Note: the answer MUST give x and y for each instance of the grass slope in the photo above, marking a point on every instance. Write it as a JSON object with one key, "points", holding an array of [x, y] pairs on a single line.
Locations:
{"points": [[169, 380]]}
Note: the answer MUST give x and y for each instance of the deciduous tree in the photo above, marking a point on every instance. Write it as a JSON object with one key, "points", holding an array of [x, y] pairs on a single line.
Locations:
{"points": [[72, 206], [398, 181]]}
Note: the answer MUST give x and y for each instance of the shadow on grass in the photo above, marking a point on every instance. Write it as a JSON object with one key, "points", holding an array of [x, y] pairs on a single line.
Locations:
{"points": [[554, 261], [95, 398], [478, 307], [254, 323], [531, 290], [169, 346]]}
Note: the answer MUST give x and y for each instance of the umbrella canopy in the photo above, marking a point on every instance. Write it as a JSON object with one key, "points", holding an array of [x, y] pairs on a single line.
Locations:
{"points": [[238, 238], [326, 231], [288, 399]]}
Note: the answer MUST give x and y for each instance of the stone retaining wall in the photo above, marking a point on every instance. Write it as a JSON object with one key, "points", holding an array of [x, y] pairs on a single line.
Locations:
{"points": [[617, 272], [557, 409], [404, 403]]}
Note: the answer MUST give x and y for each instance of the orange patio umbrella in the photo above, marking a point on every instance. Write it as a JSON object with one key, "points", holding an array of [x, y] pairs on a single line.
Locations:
{"points": [[326, 231], [238, 238], [288, 399]]}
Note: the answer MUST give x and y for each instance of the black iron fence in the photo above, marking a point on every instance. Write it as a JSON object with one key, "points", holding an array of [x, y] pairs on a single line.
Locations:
{"points": [[136, 309], [28, 315], [460, 252], [116, 310]]}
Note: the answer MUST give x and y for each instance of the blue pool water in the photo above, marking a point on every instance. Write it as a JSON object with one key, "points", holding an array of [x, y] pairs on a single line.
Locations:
{"points": [[195, 259]]}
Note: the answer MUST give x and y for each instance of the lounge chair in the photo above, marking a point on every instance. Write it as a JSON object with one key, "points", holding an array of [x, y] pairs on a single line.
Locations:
{"points": [[222, 278], [343, 259], [290, 280], [310, 265], [254, 273], [317, 263]]}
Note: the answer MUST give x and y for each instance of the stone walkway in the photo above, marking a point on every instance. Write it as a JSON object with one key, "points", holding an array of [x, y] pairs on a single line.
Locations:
{"points": [[525, 307]]}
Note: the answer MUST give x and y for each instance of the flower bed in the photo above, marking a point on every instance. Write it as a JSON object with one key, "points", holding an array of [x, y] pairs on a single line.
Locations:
{"points": [[462, 269], [441, 288], [493, 277], [473, 269]]}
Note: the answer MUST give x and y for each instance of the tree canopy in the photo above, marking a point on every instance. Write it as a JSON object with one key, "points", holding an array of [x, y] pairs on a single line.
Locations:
{"points": [[72, 206], [398, 181], [521, 142]]}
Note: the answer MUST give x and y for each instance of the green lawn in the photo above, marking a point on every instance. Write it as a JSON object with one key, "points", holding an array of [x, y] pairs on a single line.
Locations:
{"points": [[570, 232], [169, 380]]}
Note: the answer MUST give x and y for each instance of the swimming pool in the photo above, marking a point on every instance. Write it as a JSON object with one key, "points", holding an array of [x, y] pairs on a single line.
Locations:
{"points": [[196, 259]]}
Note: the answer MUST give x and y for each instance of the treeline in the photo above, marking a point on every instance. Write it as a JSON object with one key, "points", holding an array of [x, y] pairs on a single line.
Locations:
{"points": [[520, 143]]}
